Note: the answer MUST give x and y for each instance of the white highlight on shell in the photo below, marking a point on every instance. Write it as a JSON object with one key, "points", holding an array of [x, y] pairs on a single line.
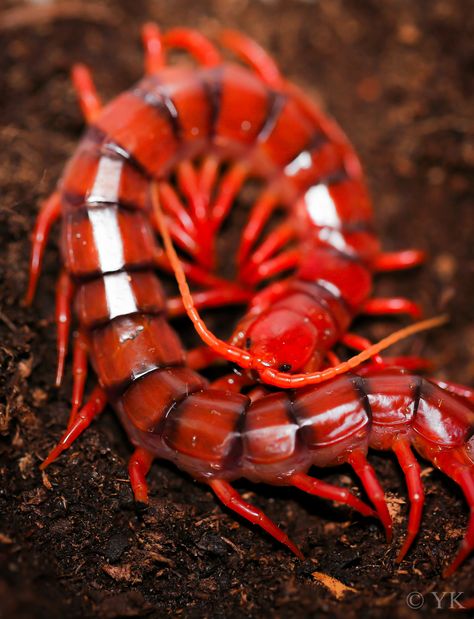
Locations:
{"points": [[302, 162], [119, 295], [107, 238], [321, 207], [107, 181]]}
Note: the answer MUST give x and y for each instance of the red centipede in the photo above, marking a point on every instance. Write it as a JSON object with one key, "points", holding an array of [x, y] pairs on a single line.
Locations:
{"points": [[217, 125]]}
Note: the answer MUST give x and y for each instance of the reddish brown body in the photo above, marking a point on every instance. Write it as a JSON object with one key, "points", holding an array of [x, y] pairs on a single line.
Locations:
{"points": [[110, 253]]}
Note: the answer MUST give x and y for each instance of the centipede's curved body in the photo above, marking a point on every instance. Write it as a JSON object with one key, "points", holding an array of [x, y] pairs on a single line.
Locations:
{"points": [[180, 114], [167, 408]]}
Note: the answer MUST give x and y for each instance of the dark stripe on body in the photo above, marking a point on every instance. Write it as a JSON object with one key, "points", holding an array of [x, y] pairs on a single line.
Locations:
{"points": [[232, 459], [109, 148], [117, 390], [212, 87], [163, 104], [276, 101], [360, 389]]}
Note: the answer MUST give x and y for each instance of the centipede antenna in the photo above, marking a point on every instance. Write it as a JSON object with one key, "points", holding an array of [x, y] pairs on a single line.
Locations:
{"points": [[195, 43], [231, 353], [254, 55], [86, 92], [154, 52]]}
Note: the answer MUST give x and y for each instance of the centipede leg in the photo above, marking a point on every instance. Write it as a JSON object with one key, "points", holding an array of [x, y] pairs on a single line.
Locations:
{"points": [[396, 261], [89, 100], [201, 357], [232, 499], [285, 261], [460, 390], [208, 175], [188, 182], [260, 214], [195, 43], [79, 373], [195, 273], [369, 480], [412, 363], [229, 188], [64, 294], [153, 44], [93, 407], [216, 297], [395, 305], [324, 490], [277, 239], [412, 471], [174, 207], [252, 53], [456, 464], [49, 213], [138, 466]]}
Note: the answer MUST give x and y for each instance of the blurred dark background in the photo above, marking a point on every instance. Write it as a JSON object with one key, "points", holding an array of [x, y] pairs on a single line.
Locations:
{"points": [[398, 77]]}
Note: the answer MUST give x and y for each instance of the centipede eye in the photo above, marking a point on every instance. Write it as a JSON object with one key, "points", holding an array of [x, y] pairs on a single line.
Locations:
{"points": [[248, 343], [284, 367]]}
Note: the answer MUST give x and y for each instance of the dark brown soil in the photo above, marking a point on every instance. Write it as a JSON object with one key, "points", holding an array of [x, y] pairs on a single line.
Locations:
{"points": [[398, 76]]}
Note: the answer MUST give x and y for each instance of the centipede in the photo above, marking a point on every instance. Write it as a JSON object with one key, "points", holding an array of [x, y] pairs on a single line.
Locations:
{"points": [[157, 172]]}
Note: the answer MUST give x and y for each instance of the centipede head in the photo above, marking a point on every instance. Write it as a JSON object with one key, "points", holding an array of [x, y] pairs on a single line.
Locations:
{"points": [[279, 340]]}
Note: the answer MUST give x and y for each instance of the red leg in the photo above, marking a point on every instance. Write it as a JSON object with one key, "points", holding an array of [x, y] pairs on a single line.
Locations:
{"points": [[195, 43], [357, 342], [459, 390], [189, 185], [79, 373], [277, 239], [283, 262], [138, 466], [153, 44], [249, 51], [195, 273], [332, 358], [49, 213], [208, 175], [64, 293], [232, 382], [175, 208], [229, 188], [412, 471], [216, 297], [412, 363], [232, 499], [94, 406], [395, 305], [398, 260], [457, 465], [86, 92], [260, 214], [328, 491], [182, 238], [202, 357], [369, 480]]}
